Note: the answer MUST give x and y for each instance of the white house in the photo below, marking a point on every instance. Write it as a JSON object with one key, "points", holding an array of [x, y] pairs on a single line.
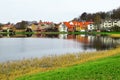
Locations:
{"points": [[107, 24], [62, 28], [90, 27]]}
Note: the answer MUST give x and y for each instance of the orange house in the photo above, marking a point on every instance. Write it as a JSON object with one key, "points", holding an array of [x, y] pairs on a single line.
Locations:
{"points": [[77, 26], [69, 26]]}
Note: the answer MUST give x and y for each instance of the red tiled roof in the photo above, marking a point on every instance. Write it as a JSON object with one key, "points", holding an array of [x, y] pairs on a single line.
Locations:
{"points": [[78, 24]]}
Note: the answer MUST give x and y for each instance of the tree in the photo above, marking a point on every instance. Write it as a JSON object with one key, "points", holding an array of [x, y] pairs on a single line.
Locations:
{"points": [[83, 16], [97, 20], [103, 15], [116, 13], [115, 28], [23, 25]]}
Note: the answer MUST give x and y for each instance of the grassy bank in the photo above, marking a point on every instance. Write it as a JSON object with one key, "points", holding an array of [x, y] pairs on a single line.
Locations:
{"points": [[12, 70], [101, 69]]}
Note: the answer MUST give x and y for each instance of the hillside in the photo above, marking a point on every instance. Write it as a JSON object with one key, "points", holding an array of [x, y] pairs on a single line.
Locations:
{"points": [[101, 69]]}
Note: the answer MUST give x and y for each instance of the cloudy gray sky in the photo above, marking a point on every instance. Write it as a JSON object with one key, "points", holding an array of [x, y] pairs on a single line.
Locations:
{"points": [[51, 10]]}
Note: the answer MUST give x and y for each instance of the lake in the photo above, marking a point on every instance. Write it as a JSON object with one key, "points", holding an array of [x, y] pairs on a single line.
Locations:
{"points": [[20, 47]]}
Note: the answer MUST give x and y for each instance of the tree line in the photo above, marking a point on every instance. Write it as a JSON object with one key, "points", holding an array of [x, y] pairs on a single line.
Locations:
{"points": [[97, 17]]}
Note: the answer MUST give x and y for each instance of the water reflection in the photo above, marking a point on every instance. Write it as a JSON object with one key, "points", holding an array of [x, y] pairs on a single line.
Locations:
{"points": [[20, 46], [89, 41], [99, 42]]}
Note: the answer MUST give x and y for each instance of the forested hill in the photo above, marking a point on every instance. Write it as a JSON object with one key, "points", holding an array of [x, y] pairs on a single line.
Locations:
{"points": [[113, 14]]}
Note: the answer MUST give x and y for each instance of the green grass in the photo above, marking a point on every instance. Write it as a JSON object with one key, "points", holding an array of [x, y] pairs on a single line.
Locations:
{"points": [[65, 33], [107, 33], [101, 69]]}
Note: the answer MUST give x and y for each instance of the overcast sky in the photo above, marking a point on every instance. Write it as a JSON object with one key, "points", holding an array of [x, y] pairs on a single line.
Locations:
{"points": [[51, 10]]}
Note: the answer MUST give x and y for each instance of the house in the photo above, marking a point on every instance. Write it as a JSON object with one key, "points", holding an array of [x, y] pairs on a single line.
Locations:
{"points": [[7, 26], [90, 27], [33, 27], [70, 26], [62, 27], [66, 27], [44, 26], [76, 26], [107, 24]]}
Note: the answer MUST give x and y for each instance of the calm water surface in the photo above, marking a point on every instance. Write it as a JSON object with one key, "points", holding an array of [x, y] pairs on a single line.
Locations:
{"points": [[12, 48]]}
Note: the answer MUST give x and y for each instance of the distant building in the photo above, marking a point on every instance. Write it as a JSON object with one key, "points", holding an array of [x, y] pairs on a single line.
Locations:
{"points": [[7, 26], [40, 26], [107, 24]]}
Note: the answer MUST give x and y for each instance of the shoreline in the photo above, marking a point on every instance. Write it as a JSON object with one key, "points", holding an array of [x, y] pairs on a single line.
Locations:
{"points": [[107, 33]]}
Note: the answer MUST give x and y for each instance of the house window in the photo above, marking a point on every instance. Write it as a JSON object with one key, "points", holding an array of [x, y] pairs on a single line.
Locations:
{"points": [[90, 24], [64, 27], [90, 27]]}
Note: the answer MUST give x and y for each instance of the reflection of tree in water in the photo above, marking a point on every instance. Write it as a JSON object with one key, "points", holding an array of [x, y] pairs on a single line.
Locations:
{"points": [[103, 43], [47, 35], [29, 30], [29, 35], [100, 43], [52, 35], [97, 43]]}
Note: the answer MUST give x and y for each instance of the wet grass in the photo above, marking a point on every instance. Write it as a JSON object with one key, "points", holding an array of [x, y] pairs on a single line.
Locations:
{"points": [[101, 69], [14, 69]]}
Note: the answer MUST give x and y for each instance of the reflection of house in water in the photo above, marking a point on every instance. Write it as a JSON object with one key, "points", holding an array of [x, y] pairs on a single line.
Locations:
{"points": [[62, 36], [91, 38], [72, 36], [82, 39], [97, 42], [117, 40], [108, 41], [40, 35], [103, 42]]}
